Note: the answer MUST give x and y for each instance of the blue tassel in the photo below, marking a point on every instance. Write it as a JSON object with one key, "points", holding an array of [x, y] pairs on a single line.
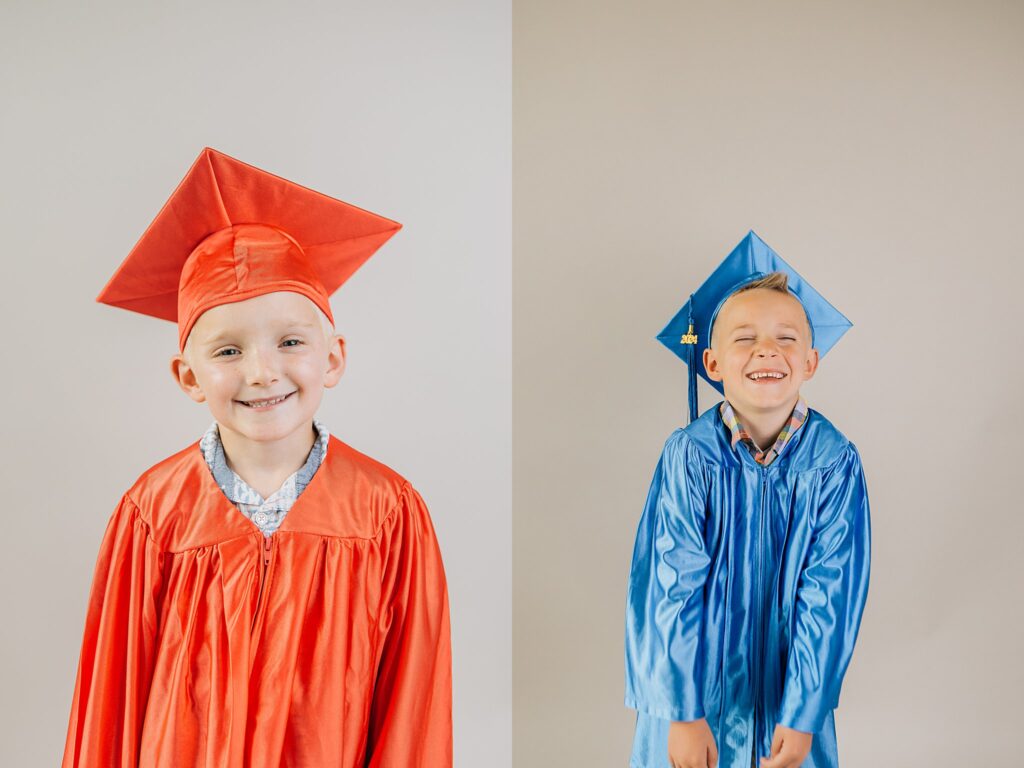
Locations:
{"points": [[690, 339], [692, 395]]}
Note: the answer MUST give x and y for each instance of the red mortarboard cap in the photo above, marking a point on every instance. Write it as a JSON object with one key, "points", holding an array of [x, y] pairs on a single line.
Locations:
{"points": [[231, 231]]}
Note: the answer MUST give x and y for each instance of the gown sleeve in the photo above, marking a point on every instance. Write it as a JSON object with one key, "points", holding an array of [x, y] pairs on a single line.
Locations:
{"points": [[118, 646], [411, 712], [830, 598], [665, 600]]}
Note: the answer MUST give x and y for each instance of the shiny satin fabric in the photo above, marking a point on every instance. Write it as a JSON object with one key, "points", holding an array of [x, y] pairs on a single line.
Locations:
{"points": [[746, 591], [750, 259], [241, 262], [207, 644], [231, 231]]}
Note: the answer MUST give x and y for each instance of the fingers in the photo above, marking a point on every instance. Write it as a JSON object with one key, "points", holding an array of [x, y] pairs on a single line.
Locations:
{"points": [[781, 760], [712, 755], [689, 744], [777, 740], [789, 748], [695, 763], [772, 761]]}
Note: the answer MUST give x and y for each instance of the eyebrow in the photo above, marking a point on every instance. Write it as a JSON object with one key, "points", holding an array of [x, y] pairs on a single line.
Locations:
{"points": [[750, 327]]}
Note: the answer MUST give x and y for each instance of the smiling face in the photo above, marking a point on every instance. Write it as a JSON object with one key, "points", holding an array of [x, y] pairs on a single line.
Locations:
{"points": [[761, 351], [261, 365]]}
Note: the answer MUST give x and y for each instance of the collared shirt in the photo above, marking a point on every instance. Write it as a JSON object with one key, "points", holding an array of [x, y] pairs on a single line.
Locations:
{"points": [[267, 513], [739, 434]]}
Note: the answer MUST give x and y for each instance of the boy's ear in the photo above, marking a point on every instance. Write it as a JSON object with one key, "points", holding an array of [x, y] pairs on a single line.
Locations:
{"points": [[185, 378], [711, 365], [335, 360], [811, 364]]}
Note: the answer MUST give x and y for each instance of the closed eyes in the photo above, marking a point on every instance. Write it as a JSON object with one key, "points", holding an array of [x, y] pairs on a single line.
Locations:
{"points": [[751, 338]]}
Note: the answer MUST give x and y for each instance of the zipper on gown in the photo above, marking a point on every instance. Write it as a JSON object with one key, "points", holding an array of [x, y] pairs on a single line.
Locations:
{"points": [[759, 624], [267, 550]]}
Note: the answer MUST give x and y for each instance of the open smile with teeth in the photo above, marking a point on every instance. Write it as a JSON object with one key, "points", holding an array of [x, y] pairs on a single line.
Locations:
{"points": [[759, 375], [266, 403]]}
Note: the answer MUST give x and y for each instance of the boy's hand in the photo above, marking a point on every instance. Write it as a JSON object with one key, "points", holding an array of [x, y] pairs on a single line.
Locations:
{"points": [[691, 745], [789, 748]]}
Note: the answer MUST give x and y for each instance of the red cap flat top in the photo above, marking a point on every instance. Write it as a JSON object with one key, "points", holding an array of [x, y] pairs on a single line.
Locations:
{"points": [[231, 231]]}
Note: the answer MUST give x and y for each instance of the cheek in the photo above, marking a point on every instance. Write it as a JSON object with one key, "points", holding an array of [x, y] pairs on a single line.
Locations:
{"points": [[221, 380], [797, 360], [736, 359], [309, 370]]}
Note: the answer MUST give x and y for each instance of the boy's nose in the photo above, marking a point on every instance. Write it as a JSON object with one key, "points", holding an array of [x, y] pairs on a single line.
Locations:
{"points": [[261, 368]]}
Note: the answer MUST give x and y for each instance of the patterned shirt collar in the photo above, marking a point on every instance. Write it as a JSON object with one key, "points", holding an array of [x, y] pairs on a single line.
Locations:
{"points": [[739, 434], [266, 513]]}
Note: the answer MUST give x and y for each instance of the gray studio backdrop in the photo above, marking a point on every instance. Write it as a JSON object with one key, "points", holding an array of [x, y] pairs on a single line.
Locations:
{"points": [[401, 108], [877, 146]]}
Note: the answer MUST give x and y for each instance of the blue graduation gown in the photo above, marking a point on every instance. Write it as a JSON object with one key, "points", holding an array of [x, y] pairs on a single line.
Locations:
{"points": [[746, 591]]}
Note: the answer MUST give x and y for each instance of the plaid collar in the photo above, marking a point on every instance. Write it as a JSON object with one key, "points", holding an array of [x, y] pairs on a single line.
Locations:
{"points": [[739, 434], [240, 492]]}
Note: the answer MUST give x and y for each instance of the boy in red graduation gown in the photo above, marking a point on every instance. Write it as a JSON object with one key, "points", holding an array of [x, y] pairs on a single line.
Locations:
{"points": [[213, 637]]}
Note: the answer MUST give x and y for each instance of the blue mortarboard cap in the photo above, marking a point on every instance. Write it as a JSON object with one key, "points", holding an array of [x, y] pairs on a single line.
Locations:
{"points": [[688, 334]]}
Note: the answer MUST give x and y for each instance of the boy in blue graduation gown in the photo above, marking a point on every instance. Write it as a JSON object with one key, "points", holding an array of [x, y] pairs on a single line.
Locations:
{"points": [[750, 569]]}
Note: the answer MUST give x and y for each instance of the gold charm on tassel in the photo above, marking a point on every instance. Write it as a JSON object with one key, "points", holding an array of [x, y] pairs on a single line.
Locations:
{"points": [[689, 337]]}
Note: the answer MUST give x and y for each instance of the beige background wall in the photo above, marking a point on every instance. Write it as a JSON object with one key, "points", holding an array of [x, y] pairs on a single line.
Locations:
{"points": [[875, 145], [878, 147]]}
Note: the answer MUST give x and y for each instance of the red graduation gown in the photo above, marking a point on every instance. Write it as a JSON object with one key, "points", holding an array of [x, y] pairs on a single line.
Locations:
{"points": [[208, 644]]}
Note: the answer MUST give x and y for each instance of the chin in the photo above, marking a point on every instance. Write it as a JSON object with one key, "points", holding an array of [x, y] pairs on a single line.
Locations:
{"points": [[762, 401], [268, 432], [775, 401]]}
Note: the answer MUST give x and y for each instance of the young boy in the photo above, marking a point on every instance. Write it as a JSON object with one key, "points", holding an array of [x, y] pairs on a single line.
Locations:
{"points": [[268, 596], [750, 570]]}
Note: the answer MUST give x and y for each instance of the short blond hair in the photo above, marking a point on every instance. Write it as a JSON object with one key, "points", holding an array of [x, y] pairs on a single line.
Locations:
{"points": [[773, 281]]}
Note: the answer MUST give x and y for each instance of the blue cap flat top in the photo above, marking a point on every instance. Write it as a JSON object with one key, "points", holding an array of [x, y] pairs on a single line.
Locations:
{"points": [[749, 260]]}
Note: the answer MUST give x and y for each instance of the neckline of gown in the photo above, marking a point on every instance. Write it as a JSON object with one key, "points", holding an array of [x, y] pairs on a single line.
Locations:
{"points": [[287, 524], [744, 453]]}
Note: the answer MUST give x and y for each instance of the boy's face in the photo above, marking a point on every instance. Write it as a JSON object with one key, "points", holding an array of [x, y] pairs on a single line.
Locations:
{"points": [[756, 332], [241, 355]]}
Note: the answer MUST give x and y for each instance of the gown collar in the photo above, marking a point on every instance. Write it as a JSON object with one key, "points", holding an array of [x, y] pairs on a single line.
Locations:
{"points": [[239, 491], [737, 433], [228, 517]]}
